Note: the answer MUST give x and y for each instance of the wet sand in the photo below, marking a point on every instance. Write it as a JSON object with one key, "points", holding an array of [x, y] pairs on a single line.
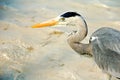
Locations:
{"points": [[44, 54]]}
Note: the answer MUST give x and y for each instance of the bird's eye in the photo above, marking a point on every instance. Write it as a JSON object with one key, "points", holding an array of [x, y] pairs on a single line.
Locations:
{"points": [[62, 19]]}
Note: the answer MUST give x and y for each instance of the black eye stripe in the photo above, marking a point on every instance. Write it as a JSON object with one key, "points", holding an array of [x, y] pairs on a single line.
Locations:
{"points": [[70, 14]]}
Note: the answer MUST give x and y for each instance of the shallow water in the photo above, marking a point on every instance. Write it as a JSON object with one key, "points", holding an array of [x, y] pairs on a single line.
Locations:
{"points": [[42, 54]]}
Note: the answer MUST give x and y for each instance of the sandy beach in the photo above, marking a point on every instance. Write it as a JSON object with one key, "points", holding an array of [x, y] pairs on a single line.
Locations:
{"points": [[44, 54]]}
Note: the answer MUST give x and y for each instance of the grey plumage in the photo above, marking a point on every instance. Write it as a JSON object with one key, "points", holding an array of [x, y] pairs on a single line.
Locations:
{"points": [[106, 50]]}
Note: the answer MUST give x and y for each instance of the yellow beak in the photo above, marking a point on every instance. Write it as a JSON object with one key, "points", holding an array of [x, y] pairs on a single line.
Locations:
{"points": [[45, 24]]}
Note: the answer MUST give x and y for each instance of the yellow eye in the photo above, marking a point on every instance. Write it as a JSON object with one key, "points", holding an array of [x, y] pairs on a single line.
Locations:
{"points": [[62, 19]]}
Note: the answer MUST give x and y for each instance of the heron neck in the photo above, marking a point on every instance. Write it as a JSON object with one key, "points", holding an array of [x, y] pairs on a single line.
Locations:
{"points": [[80, 34], [74, 40]]}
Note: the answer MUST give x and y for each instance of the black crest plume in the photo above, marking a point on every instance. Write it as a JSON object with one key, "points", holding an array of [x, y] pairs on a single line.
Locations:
{"points": [[70, 14]]}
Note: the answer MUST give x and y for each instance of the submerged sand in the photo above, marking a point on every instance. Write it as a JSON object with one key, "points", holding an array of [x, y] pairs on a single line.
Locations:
{"points": [[44, 54]]}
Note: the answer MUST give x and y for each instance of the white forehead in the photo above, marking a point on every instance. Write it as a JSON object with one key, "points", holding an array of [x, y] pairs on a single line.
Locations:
{"points": [[73, 18]]}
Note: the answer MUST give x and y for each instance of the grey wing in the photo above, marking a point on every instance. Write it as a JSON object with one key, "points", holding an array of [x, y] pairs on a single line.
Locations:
{"points": [[112, 44], [106, 50], [109, 38]]}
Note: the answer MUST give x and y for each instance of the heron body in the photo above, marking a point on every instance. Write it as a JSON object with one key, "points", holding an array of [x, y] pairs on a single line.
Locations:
{"points": [[106, 50], [104, 44]]}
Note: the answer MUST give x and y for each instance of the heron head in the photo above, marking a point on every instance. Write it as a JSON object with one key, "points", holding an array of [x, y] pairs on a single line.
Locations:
{"points": [[66, 19]]}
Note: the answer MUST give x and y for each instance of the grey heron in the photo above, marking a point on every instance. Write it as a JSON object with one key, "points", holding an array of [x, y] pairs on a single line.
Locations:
{"points": [[104, 44]]}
